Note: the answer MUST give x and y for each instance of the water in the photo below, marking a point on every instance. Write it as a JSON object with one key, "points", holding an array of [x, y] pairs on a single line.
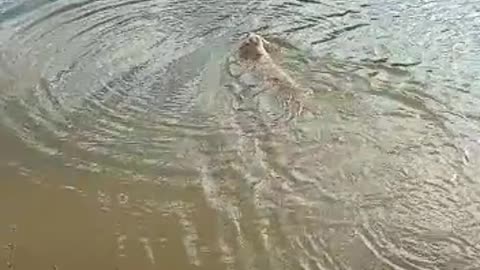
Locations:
{"points": [[125, 142]]}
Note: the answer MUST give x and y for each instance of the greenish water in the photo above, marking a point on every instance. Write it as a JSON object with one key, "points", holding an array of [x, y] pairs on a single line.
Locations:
{"points": [[126, 143]]}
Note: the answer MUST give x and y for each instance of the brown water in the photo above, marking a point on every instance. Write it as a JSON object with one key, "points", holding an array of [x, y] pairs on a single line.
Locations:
{"points": [[129, 141]]}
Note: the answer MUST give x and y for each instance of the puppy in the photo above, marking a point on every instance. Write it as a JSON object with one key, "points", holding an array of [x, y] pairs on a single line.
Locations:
{"points": [[255, 52]]}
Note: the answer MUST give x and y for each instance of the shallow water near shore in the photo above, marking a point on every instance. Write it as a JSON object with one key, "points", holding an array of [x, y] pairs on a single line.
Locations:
{"points": [[130, 140]]}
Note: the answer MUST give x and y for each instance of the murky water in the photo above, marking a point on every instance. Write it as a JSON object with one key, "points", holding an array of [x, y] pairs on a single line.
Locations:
{"points": [[129, 139]]}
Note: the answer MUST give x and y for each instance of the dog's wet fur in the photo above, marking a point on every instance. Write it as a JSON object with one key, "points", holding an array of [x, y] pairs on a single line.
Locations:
{"points": [[255, 52]]}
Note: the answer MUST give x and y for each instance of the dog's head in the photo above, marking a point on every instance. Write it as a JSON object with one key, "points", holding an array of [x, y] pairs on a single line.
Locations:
{"points": [[252, 47]]}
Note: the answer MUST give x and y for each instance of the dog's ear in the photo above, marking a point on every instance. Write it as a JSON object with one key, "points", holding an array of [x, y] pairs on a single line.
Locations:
{"points": [[269, 47]]}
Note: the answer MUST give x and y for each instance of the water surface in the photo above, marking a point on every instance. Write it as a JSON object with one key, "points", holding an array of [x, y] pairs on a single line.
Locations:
{"points": [[128, 140]]}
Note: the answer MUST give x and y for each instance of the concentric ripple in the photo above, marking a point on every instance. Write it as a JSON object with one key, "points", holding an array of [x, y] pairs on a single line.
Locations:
{"points": [[110, 79], [152, 150]]}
